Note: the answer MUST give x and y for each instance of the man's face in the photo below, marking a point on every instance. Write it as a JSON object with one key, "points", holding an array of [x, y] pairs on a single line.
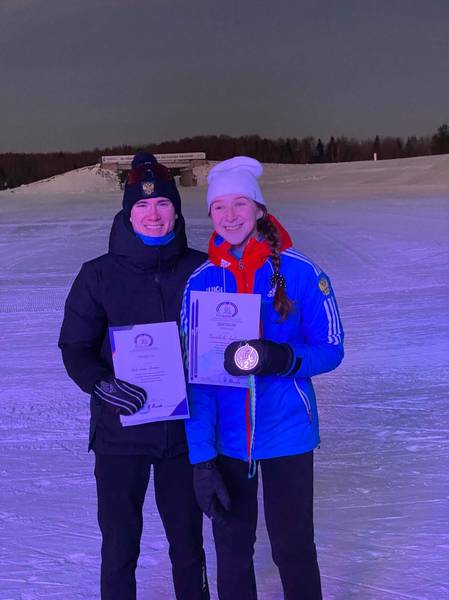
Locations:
{"points": [[234, 218], [154, 217]]}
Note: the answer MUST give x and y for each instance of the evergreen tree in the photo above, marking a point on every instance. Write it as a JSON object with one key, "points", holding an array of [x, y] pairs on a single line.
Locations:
{"points": [[331, 150], [411, 146], [306, 150], [440, 141], [318, 155], [3, 182]]}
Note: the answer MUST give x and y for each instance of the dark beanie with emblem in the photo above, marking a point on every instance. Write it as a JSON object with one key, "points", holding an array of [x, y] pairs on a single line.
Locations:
{"points": [[149, 179]]}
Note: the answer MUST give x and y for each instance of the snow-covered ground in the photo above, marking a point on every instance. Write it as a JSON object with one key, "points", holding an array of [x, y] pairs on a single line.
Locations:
{"points": [[382, 496]]}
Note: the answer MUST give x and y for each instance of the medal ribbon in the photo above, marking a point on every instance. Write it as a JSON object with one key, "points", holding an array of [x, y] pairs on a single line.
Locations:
{"points": [[252, 468]]}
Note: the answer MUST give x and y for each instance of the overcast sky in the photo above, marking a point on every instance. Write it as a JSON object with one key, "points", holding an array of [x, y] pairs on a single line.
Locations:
{"points": [[83, 74]]}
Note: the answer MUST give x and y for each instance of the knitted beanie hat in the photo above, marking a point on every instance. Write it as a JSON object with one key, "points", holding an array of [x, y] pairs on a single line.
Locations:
{"points": [[149, 179], [236, 175]]}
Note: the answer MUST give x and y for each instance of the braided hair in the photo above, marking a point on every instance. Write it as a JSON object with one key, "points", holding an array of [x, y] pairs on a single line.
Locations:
{"points": [[281, 302]]}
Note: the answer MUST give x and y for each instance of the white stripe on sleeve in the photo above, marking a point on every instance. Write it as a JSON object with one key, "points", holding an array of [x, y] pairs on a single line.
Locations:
{"points": [[114, 401], [131, 391]]}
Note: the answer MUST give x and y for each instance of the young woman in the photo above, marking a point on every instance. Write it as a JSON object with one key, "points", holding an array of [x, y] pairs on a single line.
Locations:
{"points": [[274, 422]]}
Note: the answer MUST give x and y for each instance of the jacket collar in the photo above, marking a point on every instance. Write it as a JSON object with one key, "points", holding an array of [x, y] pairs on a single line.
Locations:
{"points": [[255, 254]]}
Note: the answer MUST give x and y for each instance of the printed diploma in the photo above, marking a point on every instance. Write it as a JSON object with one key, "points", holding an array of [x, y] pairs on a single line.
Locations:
{"points": [[149, 356], [216, 320]]}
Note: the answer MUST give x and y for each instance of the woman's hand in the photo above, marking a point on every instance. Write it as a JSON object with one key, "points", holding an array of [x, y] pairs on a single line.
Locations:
{"points": [[258, 357], [210, 491]]}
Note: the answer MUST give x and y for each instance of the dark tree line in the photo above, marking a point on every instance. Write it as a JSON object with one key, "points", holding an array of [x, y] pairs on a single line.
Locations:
{"points": [[17, 169]]}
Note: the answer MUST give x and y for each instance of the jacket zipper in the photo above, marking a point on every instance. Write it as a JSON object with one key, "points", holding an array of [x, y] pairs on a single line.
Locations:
{"points": [[158, 284], [162, 307], [305, 400], [241, 268]]}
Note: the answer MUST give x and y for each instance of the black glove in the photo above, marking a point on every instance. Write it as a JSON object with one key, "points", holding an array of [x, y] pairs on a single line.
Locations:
{"points": [[274, 358], [210, 491], [126, 398]]}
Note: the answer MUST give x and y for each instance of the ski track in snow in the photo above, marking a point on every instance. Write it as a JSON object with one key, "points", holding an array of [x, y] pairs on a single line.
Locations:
{"points": [[382, 494]]}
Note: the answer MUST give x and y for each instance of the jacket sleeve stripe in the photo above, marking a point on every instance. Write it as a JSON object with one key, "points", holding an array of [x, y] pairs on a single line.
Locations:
{"points": [[336, 321], [295, 254], [107, 397], [329, 322], [184, 316], [110, 399], [131, 391]]}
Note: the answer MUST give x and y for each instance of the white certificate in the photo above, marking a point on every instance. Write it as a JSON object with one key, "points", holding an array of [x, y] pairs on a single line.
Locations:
{"points": [[150, 356], [216, 320]]}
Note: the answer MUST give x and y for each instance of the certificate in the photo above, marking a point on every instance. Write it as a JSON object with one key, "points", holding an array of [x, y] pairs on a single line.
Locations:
{"points": [[150, 356], [216, 320]]}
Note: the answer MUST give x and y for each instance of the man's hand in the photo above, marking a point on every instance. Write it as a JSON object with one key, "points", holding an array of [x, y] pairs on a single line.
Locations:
{"points": [[210, 491], [126, 398], [270, 358]]}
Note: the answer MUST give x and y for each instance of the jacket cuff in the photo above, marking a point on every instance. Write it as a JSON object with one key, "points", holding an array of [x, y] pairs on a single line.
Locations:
{"points": [[202, 452]]}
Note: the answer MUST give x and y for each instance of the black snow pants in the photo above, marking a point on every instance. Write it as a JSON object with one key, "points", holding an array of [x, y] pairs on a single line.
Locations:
{"points": [[288, 507], [122, 481]]}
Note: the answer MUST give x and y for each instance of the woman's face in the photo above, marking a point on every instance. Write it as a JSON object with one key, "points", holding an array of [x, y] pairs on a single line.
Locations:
{"points": [[154, 217], [234, 218]]}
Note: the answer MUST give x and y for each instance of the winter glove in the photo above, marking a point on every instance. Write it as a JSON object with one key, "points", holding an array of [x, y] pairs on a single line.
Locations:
{"points": [[126, 398], [210, 491], [271, 359]]}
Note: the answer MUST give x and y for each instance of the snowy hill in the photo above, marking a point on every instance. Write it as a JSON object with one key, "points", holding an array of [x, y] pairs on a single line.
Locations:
{"points": [[86, 180], [380, 230], [417, 172], [421, 173]]}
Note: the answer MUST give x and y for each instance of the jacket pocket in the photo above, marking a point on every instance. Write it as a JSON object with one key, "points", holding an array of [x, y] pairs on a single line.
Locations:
{"points": [[304, 399]]}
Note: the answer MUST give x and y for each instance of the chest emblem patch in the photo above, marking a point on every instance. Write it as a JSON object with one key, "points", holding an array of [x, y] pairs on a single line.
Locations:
{"points": [[323, 284]]}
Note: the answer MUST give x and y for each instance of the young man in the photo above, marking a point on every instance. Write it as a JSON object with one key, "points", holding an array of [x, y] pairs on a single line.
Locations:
{"points": [[140, 280]]}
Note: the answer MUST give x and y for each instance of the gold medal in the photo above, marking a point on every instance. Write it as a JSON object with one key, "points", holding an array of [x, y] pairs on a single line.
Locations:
{"points": [[246, 357]]}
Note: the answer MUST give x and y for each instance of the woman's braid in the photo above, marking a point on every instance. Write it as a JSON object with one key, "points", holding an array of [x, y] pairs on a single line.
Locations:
{"points": [[282, 303]]}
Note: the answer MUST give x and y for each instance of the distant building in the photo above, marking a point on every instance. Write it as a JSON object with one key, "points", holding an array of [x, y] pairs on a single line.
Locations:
{"points": [[181, 163]]}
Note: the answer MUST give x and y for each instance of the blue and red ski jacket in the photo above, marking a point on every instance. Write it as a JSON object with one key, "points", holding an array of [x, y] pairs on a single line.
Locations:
{"points": [[286, 418]]}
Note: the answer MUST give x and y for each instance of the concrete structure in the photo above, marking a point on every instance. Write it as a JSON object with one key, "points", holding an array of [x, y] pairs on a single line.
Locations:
{"points": [[181, 163]]}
